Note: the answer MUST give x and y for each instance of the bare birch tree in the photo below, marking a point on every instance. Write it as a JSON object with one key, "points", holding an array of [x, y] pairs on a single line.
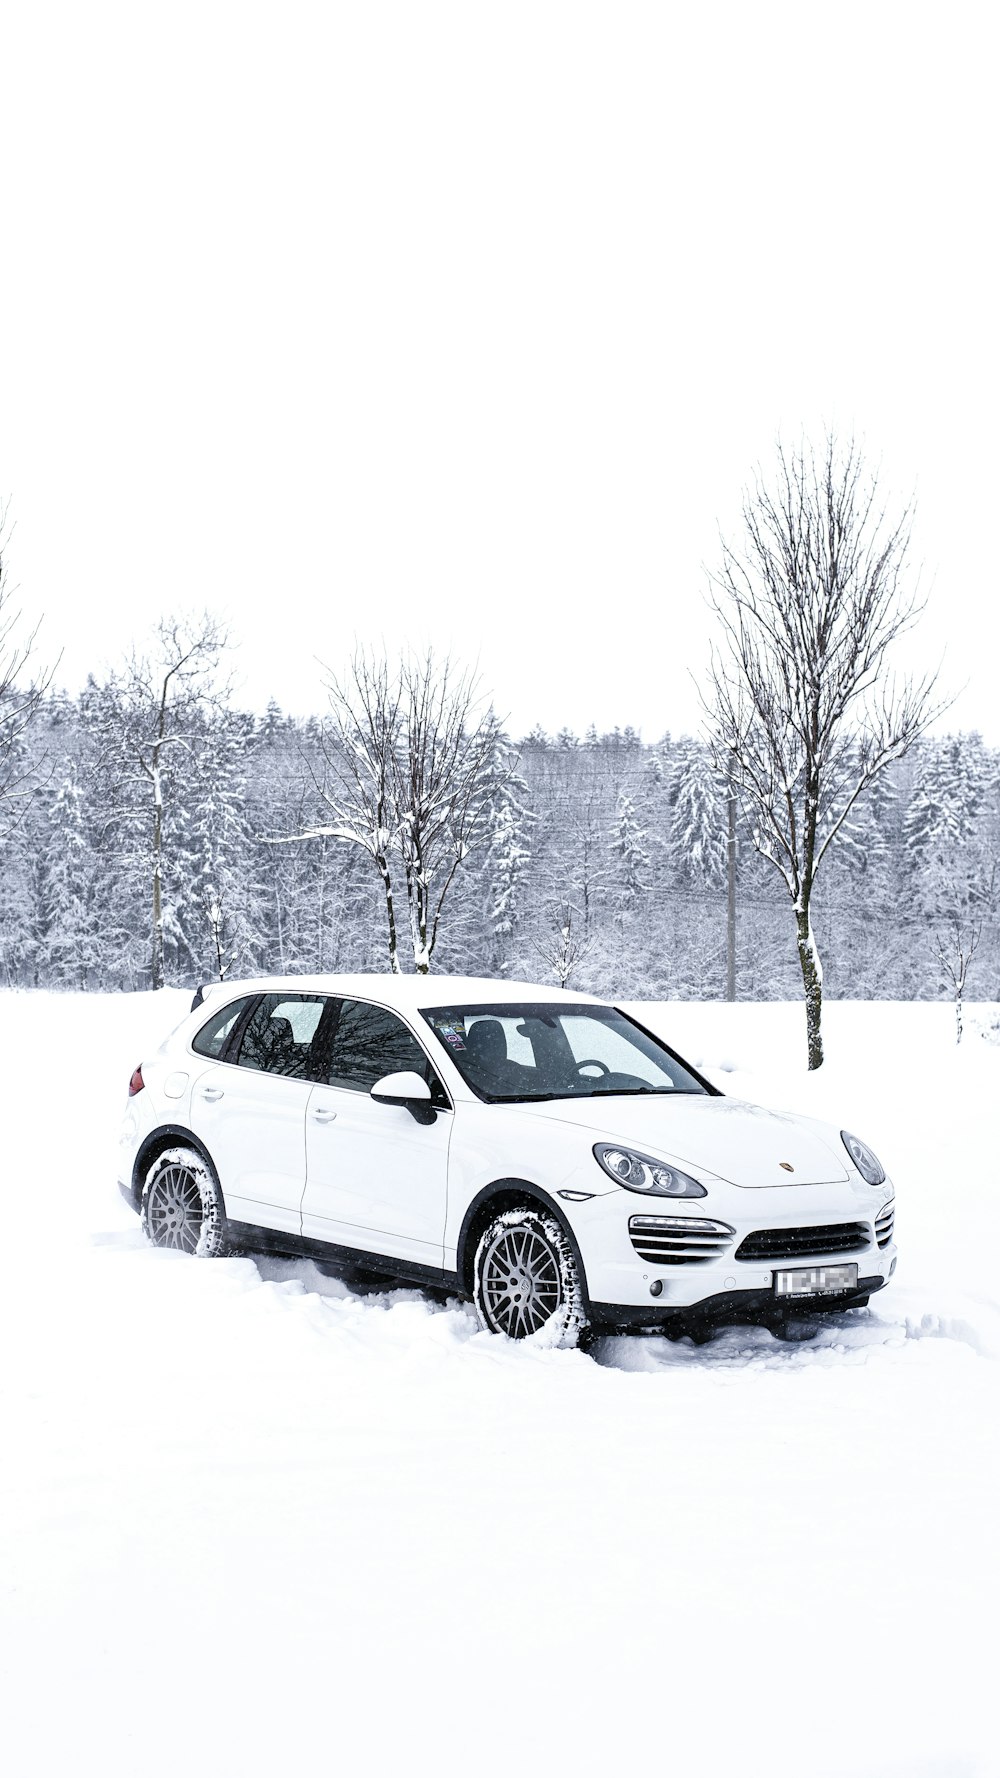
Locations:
{"points": [[955, 941], [444, 786], [21, 692], [957, 892], [802, 704], [156, 708], [562, 946], [410, 774], [359, 744]]}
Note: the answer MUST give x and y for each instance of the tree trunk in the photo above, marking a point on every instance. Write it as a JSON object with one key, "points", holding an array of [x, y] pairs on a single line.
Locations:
{"points": [[390, 914], [215, 916], [422, 955], [812, 982], [731, 893], [157, 959], [321, 912], [279, 930]]}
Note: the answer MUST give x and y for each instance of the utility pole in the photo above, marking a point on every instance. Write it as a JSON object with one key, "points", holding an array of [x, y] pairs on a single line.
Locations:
{"points": [[731, 890]]}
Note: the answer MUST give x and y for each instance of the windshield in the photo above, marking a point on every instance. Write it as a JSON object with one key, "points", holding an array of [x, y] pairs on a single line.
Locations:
{"points": [[549, 1051]]}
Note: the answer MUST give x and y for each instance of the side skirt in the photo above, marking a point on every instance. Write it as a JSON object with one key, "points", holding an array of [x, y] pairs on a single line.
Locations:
{"points": [[251, 1238]]}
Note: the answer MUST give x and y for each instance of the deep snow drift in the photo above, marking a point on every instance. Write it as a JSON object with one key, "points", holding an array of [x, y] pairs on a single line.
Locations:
{"points": [[254, 1523]]}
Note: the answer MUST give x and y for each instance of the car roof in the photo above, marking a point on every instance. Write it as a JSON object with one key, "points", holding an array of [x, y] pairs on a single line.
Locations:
{"points": [[411, 992]]}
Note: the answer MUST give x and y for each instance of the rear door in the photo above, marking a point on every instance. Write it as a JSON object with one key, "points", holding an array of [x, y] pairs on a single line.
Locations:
{"points": [[250, 1110], [375, 1178]]}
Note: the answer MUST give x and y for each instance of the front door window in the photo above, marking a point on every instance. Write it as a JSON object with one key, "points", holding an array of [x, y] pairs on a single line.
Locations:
{"points": [[369, 1042]]}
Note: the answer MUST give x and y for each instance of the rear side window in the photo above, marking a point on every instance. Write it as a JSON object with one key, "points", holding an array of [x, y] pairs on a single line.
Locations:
{"points": [[370, 1042], [211, 1039], [279, 1037]]}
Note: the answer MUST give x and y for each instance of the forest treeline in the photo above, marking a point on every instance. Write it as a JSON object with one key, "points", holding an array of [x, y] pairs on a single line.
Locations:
{"points": [[596, 860]]}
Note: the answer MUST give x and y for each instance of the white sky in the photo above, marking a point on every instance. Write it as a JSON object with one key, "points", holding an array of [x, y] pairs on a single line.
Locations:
{"points": [[468, 323]]}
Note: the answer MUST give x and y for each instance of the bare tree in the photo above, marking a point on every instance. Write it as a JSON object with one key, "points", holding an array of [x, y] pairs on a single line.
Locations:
{"points": [[410, 761], [155, 708], [562, 945], [360, 744], [957, 892], [444, 785], [802, 707], [21, 693], [955, 941]]}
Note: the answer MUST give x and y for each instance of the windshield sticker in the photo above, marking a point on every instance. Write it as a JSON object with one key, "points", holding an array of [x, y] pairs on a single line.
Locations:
{"points": [[453, 1032]]}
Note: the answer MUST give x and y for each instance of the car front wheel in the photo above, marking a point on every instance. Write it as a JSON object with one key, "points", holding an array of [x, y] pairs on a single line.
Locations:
{"points": [[182, 1204], [528, 1281]]}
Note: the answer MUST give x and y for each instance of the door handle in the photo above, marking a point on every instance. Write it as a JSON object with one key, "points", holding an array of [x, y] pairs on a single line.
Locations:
{"points": [[324, 1114], [212, 1093]]}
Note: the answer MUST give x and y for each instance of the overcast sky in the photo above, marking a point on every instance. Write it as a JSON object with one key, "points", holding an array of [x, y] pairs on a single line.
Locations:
{"points": [[467, 323]]}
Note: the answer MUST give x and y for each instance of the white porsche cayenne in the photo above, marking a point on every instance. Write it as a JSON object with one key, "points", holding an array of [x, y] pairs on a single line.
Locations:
{"points": [[535, 1149]]}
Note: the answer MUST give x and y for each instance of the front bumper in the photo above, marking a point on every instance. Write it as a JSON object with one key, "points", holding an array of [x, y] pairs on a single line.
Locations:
{"points": [[727, 1309], [627, 1290]]}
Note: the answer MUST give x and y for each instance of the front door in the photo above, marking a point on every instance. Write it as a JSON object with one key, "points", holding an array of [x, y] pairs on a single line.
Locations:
{"points": [[375, 1178], [252, 1116]]}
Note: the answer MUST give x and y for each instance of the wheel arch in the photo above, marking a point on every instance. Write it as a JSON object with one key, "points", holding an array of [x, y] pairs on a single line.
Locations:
{"points": [[493, 1200], [156, 1143]]}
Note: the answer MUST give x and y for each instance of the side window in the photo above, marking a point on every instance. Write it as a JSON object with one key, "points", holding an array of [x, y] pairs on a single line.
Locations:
{"points": [[211, 1039], [279, 1037], [370, 1042]]}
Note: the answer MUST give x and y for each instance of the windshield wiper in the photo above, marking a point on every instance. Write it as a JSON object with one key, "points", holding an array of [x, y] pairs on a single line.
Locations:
{"points": [[634, 1092]]}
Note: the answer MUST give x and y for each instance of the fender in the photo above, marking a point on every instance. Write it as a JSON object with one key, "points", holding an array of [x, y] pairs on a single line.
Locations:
{"points": [[163, 1137], [524, 1188]]}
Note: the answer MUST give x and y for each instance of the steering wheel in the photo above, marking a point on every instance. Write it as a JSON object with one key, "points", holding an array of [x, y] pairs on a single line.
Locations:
{"points": [[591, 1062]]}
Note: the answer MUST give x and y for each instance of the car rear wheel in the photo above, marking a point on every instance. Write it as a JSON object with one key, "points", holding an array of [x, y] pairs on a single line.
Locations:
{"points": [[527, 1280], [182, 1205]]}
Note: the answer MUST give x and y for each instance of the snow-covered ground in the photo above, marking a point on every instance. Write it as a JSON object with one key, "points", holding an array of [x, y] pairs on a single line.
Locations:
{"points": [[252, 1523]]}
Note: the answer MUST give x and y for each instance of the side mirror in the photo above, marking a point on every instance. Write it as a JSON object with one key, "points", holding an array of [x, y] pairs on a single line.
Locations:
{"points": [[408, 1090]]}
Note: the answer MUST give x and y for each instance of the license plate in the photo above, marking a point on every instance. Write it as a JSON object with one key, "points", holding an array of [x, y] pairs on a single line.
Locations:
{"points": [[816, 1280]]}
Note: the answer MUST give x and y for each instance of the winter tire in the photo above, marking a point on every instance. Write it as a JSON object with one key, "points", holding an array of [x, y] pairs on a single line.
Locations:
{"points": [[528, 1281], [182, 1205]]}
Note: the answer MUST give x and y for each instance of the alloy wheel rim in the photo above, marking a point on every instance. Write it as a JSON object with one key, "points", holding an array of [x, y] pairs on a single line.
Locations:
{"points": [[521, 1285], [176, 1212]]}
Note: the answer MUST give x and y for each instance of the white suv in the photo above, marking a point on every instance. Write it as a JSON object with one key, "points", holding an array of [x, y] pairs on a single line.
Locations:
{"points": [[535, 1149]]}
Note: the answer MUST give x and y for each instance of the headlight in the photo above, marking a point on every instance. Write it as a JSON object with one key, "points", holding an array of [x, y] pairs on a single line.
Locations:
{"points": [[640, 1173], [868, 1164]]}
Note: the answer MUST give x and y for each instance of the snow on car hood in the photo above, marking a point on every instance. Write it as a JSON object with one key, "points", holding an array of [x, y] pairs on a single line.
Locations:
{"points": [[740, 1143]]}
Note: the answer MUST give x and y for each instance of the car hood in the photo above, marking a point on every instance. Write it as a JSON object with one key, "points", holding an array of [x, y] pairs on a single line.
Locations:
{"points": [[743, 1144]]}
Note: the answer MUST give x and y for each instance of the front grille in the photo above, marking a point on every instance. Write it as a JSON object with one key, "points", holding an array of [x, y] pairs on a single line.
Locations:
{"points": [[834, 1237], [678, 1240], [884, 1223]]}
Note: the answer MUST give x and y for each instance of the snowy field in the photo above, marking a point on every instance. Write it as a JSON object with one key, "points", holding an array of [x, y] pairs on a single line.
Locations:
{"points": [[253, 1523]]}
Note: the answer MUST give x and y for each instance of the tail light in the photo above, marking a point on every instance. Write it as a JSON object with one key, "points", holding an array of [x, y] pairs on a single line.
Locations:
{"points": [[136, 1084]]}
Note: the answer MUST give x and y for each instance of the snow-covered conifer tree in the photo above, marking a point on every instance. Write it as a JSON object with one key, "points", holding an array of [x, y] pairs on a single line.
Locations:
{"points": [[697, 843], [508, 820], [947, 793], [218, 905], [629, 850], [68, 872]]}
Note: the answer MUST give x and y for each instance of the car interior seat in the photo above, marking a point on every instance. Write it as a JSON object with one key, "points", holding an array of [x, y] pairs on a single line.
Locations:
{"points": [[490, 1065]]}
